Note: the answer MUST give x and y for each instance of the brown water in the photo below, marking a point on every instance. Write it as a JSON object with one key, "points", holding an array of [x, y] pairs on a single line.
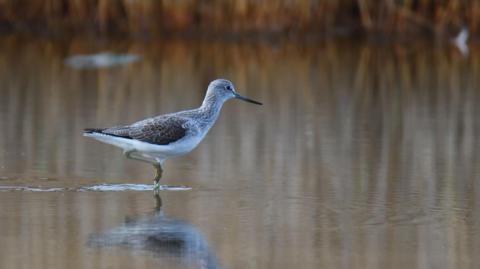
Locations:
{"points": [[363, 156]]}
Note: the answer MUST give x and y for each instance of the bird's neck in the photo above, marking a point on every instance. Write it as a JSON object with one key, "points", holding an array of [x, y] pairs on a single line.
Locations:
{"points": [[210, 108]]}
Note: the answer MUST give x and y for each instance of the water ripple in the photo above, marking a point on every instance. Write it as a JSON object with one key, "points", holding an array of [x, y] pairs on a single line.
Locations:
{"points": [[99, 188], [30, 189]]}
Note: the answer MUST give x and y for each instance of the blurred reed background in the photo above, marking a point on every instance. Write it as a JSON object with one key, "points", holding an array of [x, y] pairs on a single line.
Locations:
{"points": [[152, 17], [388, 83]]}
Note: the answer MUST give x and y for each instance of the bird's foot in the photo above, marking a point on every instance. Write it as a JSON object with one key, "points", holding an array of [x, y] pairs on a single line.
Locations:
{"points": [[156, 187]]}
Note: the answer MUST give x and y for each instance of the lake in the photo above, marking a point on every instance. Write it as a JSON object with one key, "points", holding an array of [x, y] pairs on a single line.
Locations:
{"points": [[365, 154]]}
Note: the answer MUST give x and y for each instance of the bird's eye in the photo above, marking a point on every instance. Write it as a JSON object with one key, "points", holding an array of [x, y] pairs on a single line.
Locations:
{"points": [[228, 88]]}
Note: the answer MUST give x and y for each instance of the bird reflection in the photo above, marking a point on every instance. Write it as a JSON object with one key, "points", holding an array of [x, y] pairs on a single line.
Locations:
{"points": [[164, 237]]}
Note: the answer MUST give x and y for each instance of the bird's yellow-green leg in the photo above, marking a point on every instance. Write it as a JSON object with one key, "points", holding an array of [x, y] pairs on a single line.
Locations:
{"points": [[158, 175], [133, 154]]}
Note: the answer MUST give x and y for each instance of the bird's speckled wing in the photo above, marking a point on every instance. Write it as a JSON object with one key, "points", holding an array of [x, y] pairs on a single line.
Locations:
{"points": [[159, 130]]}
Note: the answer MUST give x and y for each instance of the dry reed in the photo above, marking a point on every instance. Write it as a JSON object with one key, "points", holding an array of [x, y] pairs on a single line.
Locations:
{"points": [[152, 17]]}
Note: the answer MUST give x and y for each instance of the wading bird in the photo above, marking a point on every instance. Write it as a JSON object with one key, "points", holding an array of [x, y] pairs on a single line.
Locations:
{"points": [[157, 139]]}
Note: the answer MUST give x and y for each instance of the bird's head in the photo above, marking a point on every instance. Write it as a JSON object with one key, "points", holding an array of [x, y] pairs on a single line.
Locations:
{"points": [[224, 89]]}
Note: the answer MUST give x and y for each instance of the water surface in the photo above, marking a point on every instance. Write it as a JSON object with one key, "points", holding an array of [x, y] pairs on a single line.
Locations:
{"points": [[363, 156]]}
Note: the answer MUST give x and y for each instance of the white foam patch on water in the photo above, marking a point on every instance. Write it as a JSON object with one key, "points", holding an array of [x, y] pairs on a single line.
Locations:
{"points": [[174, 188], [118, 187]]}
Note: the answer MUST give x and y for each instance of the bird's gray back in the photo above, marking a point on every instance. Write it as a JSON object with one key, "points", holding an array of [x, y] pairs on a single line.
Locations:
{"points": [[160, 130], [167, 128]]}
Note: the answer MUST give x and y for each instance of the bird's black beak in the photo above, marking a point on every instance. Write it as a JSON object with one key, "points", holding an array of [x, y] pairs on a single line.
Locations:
{"points": [[238, 96]]}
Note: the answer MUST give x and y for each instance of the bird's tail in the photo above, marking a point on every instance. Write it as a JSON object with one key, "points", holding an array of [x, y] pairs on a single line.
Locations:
{"points": [[92, 130]]}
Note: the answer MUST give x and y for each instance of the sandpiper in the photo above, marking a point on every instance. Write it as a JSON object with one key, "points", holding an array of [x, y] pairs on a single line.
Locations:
{"points": [[157, 139]]}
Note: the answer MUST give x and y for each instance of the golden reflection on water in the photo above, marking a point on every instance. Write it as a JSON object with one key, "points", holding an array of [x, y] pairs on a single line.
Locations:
{"points": [[363, 156]]}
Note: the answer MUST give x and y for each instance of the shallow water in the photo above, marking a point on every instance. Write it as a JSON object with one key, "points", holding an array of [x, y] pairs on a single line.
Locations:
{"points": [[364, 155]]}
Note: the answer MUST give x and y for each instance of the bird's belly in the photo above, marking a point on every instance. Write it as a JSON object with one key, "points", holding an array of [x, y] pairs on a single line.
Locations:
{"points": [[181, 147]]}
